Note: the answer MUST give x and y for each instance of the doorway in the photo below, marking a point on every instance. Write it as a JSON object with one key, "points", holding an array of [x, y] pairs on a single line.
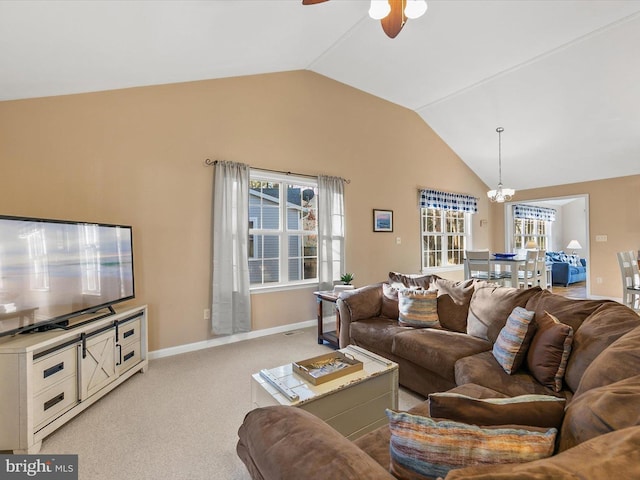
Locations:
{"points": [[572, 223]]}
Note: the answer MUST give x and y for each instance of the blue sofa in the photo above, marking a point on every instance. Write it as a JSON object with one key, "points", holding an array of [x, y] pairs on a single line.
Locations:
{"points": [[566, 269]]}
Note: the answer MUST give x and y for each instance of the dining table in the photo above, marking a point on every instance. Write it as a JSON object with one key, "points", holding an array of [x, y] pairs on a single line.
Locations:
{"points": [[514, 264]]}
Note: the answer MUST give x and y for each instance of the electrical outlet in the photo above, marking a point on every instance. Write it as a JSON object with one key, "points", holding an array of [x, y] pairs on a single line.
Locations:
{"points": [[398, 240], [207, 314], [599, 280]]}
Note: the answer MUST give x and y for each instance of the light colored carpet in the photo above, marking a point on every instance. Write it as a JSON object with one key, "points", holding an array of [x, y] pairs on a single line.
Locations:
{"points": [[180, 419]]}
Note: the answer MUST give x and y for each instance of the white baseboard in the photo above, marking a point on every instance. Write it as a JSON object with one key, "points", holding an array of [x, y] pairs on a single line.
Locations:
{"points": [[237, 337]]}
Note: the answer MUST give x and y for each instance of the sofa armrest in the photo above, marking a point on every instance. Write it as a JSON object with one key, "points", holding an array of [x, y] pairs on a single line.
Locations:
{"points": [[560, 273], [288, 443], [358, 304]]}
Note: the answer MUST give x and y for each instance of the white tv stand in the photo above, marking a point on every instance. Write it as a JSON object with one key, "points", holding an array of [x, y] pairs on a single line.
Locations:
{"points": [[50, 377]]}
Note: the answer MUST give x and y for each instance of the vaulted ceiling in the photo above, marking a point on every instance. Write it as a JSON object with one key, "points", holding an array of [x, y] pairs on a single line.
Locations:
{"points": [[562, 77]]}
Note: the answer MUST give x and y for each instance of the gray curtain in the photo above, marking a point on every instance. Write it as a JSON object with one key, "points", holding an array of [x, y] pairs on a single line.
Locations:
{"points": [[231, 302], [330, 230]]}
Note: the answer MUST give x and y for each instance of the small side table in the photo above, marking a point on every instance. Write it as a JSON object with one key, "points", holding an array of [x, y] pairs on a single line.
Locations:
{"points": [[332, 337]]}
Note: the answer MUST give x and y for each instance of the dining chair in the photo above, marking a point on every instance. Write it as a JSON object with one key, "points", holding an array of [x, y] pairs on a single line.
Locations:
{"points": [[544, 271], [533, 272], [478, 266], [630, 279]]}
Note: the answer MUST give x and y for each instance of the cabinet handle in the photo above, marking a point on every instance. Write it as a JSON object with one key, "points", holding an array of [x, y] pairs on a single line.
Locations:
{"points": [[51, 370], [129, 355], [128, 333], [50, 403]]}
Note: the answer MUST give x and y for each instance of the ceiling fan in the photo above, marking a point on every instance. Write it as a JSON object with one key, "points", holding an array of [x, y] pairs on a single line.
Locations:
{"points": [[393, 14]]}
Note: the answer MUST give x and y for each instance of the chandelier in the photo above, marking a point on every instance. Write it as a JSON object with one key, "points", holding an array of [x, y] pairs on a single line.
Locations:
{"points": [[500, 194], [393, 14]]}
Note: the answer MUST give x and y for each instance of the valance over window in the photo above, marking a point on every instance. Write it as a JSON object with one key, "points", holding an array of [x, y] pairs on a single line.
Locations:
{"points": [[534, 213], [448, 201]]}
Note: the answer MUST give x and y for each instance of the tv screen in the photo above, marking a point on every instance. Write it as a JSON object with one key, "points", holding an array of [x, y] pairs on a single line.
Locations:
{"points": [[52, 270]]}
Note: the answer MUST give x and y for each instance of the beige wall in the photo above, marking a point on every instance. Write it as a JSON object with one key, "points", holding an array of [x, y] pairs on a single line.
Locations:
{"points": [[614, 211], [135, 157]]}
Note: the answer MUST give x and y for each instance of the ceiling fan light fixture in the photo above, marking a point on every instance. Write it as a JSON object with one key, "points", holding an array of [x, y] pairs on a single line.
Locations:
{"points": [[415, 8], [379, 9]]}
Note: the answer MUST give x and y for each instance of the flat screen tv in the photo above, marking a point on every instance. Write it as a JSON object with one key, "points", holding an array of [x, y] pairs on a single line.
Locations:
{"points": [[53, 270]]}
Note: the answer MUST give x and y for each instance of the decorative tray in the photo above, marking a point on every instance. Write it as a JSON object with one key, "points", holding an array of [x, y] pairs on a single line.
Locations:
{"points": [[504, 255], [326, 367]]}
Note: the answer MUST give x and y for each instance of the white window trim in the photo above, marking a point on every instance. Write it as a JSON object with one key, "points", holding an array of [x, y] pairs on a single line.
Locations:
{"points": [[443, 268], [261, 175]]}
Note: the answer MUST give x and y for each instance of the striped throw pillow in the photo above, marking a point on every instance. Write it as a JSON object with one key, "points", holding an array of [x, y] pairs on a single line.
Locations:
{"points": [[423, 447], [418, 308], [511, 346]]}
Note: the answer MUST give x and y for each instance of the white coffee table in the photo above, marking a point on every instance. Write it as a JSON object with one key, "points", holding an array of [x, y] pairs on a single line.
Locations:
{"points": [[353, 404]]}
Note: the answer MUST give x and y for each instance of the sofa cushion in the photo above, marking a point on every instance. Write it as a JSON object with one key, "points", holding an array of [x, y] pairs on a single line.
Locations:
{"points": [[389, 308], [422, 447], [377, 331], [624, 353], [549, 351], [513, 340], [453, 303], [431, 349], [616, 454], [533, 410], [491, 305], [570, 311], [399, 280], [604, 326], [601, 410], [418, 308], [483, 369]]}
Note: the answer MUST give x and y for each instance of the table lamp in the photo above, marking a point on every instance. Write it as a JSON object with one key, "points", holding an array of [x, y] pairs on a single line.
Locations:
{"points": [[574, 244]]}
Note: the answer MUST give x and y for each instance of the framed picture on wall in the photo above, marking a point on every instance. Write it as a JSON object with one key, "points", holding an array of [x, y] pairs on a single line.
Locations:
{"points": [[382, 220]]}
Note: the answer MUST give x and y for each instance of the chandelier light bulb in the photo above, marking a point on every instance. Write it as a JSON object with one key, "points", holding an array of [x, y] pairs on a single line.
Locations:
{"points": [[379, 9], [415, 8]]}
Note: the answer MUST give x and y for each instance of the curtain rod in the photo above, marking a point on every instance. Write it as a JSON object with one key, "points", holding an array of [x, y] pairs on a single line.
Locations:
{"points": [[208, 162]]}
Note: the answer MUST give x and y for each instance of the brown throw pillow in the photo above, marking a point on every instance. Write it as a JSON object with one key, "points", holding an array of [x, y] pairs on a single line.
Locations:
{"points": [[543, 411], [549, 351], [453, 303]]}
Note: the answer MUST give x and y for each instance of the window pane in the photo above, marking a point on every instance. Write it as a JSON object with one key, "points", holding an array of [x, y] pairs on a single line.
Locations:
{"points": [[264, 204], [456, 249], [302, 208], [432, 220], [264, 266]]}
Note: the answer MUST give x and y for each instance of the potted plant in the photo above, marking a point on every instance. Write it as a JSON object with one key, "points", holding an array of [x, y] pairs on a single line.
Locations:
{"points": [[346, 279]]}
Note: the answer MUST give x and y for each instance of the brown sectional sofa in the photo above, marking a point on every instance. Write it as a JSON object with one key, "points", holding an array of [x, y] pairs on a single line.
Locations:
{"points": [[599, 435]]}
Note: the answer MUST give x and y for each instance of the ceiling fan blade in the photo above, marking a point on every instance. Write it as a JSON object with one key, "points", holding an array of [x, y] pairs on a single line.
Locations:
{"points": [[313, 2], [393, 23]]}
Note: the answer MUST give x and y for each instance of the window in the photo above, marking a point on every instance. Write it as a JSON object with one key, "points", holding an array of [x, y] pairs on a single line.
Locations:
{"points": [[445, 235], [283, 229], [445, 226], [527, 229], [531, 223]]}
